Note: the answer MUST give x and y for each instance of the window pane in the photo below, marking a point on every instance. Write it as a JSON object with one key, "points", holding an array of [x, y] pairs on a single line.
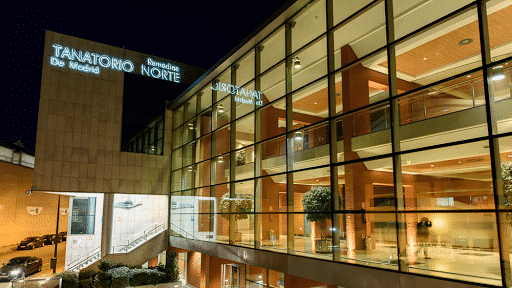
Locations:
{"points": [[362, 84], [178, 117], [309, 64], [500, 87], [310, 145], [244, 131], [223, 113], [190, 108], [203, 174], [310, 105], [414, 14], [244, 163], [246, 100], [369, 239], [222, 213], [505, 171], [176, 181], [343, 9], [500, 36], [272, 120], [452, 111], [243, 206], [273, 157], [205, 122], [308, 24], [205, 97], [221, 140], [440, 52], [224, 78], [273, 84], [454, 177], [437, 244], [203, 148], [360, 36], [245, 69], [220, 169], [273, 49]]}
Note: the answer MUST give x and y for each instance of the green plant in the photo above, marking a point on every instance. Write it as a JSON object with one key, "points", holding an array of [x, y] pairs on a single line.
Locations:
{"points": [[102, 280], [120, 276], [86, 274], [317, 204], [86, 283], [506, 175], [107, 264], [171, 267], [240, 158], [242, 204], [69, 279]]}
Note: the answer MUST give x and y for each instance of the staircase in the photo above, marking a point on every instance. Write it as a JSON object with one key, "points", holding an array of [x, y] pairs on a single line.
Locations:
{"points": [[139, 238], [85, 261]]}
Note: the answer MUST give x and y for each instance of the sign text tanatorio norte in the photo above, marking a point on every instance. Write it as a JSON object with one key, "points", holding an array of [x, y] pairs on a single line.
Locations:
{"points": [[91, 62]]}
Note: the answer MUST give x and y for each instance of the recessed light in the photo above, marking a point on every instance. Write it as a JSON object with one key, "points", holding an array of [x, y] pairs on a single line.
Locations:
{"points": [[424, 58], [431, 165], [446, 110], [466, 41], [510, 156], [317, 180], [469, 76], [316, 103]]}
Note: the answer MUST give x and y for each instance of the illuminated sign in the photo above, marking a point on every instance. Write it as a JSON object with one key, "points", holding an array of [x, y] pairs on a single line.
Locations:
{"points": [[242, 95], [88, 62]]}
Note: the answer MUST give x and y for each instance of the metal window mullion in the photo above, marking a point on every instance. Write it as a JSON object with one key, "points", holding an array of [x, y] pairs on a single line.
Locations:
{"points": [[232, 161], [289, 144], [333, 141], [492, 129], [257, 153], [395, 136]]}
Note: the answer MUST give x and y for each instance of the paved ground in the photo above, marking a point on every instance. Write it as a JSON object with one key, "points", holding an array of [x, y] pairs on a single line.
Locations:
{"points": [[45, 253]]}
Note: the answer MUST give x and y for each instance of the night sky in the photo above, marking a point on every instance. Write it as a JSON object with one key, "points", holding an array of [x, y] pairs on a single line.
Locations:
{"points": [[199, 33]]}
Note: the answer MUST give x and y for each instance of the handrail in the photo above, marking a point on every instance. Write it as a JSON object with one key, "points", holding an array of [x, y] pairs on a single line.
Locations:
{"points": [[80, 261], [185, 232], [146, 232]]}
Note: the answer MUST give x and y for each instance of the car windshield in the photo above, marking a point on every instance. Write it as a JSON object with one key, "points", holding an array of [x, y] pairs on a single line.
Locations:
{"points": [[30, 239], [16, 261]]}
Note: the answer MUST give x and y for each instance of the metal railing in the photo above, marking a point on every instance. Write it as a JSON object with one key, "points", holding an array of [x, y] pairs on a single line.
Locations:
{"points": [[89, 258], [138, 239], [181, 232]]}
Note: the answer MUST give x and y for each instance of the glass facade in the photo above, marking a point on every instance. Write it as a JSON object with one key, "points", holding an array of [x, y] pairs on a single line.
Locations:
{"points": [[148, 141], [374, 133]]}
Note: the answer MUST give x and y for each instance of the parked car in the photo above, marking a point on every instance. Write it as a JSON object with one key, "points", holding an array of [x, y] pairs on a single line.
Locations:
{"points": [[63, 235], [19, 267], [50, 239], [31, 243]]}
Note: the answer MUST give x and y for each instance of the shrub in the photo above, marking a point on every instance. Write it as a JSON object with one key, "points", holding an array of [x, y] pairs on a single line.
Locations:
{"points": [[102, 280], [86, 283], [147, 276], [86, 274], [120, 276], [69, 279], [107, 264]]}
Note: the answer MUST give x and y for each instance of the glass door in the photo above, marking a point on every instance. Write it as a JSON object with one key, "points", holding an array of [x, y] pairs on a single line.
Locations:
{"points": [[230, 276]]}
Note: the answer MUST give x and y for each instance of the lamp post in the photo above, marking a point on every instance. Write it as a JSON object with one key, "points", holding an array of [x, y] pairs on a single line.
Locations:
{"points": [[54, 260]]}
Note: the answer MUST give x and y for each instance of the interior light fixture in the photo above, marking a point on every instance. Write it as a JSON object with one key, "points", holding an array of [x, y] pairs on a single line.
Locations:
{"points": [[296, 62], [220, 108], [190, 126], [220, 160], [498, 73], [510, 156], [424, 58], [465, 41], [189, 168], [298, 135]]}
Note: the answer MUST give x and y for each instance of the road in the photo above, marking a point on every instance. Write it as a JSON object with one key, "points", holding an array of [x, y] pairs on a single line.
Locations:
{"points": [[45, 253]]}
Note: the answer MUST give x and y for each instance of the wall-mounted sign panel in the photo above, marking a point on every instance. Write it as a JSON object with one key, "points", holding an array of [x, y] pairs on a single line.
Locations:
{"points": [[90, 62], [242, 95]]}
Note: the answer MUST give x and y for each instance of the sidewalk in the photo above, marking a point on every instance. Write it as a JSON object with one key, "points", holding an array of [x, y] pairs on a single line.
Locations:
{"points": [[7, 249]]}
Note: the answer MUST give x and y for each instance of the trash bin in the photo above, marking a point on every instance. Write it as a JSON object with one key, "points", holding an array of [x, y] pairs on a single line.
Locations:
{"points": [[368, 243]]}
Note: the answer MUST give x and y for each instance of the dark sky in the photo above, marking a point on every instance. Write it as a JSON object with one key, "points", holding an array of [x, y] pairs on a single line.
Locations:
{"points": [[199, 33]]}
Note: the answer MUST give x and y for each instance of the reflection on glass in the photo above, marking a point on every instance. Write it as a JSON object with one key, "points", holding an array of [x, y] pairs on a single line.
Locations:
{"points": [[462, 246], [308, 24], [313, 64]]}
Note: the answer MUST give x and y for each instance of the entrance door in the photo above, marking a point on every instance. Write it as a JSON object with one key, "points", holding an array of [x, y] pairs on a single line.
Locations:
{"points": [[230, 276]]}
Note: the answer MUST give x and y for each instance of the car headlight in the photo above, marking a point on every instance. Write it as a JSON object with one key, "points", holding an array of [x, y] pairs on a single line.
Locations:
{"points": [[15, 272]]}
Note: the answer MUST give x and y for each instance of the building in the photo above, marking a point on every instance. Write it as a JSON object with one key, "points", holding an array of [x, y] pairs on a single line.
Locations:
{"points": [[344, 143]]}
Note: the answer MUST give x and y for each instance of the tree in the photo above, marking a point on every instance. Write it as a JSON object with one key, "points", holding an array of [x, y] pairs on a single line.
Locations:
{"points": [[317, 204], [242, 205], [171, 267]]}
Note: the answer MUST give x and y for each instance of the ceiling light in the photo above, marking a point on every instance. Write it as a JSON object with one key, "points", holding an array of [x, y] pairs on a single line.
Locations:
{"points": [[446, 110], [189, 168], [466, 41], [424, 58], [316, 103], [298, 135], [296, 62], [497, 73], [191, 126], [220, 160], [469, 76], [510, 156], [220, 108], [432, 165]]}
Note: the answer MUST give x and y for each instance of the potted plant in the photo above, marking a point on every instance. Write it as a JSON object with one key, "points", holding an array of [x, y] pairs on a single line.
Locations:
{"points": [[506, 175], [317, 205], [242, 205]]}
